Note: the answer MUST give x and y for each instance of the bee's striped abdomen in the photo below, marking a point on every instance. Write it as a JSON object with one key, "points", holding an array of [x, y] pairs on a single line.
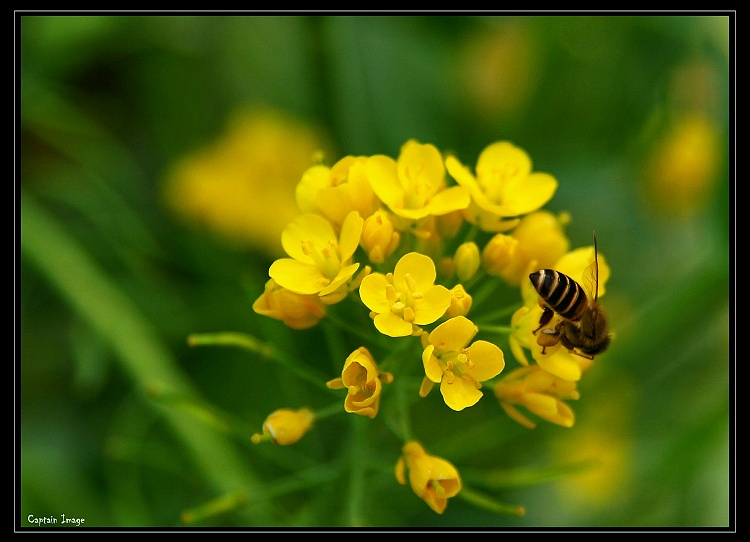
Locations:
{"points": [[563, 295]]}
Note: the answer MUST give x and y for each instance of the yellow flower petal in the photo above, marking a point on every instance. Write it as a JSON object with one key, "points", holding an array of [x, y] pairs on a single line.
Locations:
{"points": [[372, 292], [343, 276], [461, 173], [393, 326], [351, 231], [312, 181], [518, 351], [550, 408], [383, 178], [516, 415], [307, 227], [297, 277], [453, 334], [431, 364], [421, 166], [488, 360], [335, 384], [420, 267], [502, 160], [561, 363], [451, 199], [459, 393], [400, 470], [529, 195], [432, 306]]}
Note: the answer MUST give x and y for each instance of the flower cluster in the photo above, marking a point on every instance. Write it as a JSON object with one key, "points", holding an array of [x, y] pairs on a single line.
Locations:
{"points": [[421, 244]]}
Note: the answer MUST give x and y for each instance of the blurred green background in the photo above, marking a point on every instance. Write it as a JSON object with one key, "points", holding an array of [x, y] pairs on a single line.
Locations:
{"points": [[126, 250]]}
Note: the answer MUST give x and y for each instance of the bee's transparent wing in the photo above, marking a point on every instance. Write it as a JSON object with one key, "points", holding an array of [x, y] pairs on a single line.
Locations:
{"points": [[591, 280]]}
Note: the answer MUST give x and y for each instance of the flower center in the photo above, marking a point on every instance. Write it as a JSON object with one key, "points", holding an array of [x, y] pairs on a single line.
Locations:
{"points": [[495, 181], [456, 365], [324, 256], [417, 188], [402, 302]]}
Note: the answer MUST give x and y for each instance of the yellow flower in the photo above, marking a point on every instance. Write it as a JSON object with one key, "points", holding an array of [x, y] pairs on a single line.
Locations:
{"points": [[459, 369], [538, 391], [335, 192], [432, 478], [320, 262], [241, 186], [460, 302], [379, 239], [296, 310], [285, 426], [604, 439], [536, 243], [414, 186], [504, 187], [500, 70], [684, 166], [363, 381], [555, 359], [406, 298]]}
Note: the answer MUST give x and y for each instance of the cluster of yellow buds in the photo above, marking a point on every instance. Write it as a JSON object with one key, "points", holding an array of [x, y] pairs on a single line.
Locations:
{"points": [[421, 243]]}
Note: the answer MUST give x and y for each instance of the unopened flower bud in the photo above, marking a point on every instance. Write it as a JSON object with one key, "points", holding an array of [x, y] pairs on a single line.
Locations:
{"points": [[467, 261], [378, 237], [285, 426]]}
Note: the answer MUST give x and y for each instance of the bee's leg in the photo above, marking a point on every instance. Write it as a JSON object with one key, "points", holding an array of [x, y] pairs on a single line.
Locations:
{"points": [[549, 337], [545, 318], [565, 339]]}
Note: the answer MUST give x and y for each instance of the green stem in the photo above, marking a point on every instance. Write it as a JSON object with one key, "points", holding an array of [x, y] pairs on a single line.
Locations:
{"points": [[499, 314], [357, 482], [332, 318], [523, 477], [330, 410], [241, 340], [488, 503], [403, 410], [219, 505], [230, 338]]}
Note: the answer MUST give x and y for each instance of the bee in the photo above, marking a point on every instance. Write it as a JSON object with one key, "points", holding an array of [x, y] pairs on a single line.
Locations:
{"points": [[583, 328]]}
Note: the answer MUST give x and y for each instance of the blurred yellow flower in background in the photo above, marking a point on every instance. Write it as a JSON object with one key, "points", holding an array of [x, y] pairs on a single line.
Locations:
{"points": [[683, 167], [603, 440], [242, 185], [499, 69]]}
